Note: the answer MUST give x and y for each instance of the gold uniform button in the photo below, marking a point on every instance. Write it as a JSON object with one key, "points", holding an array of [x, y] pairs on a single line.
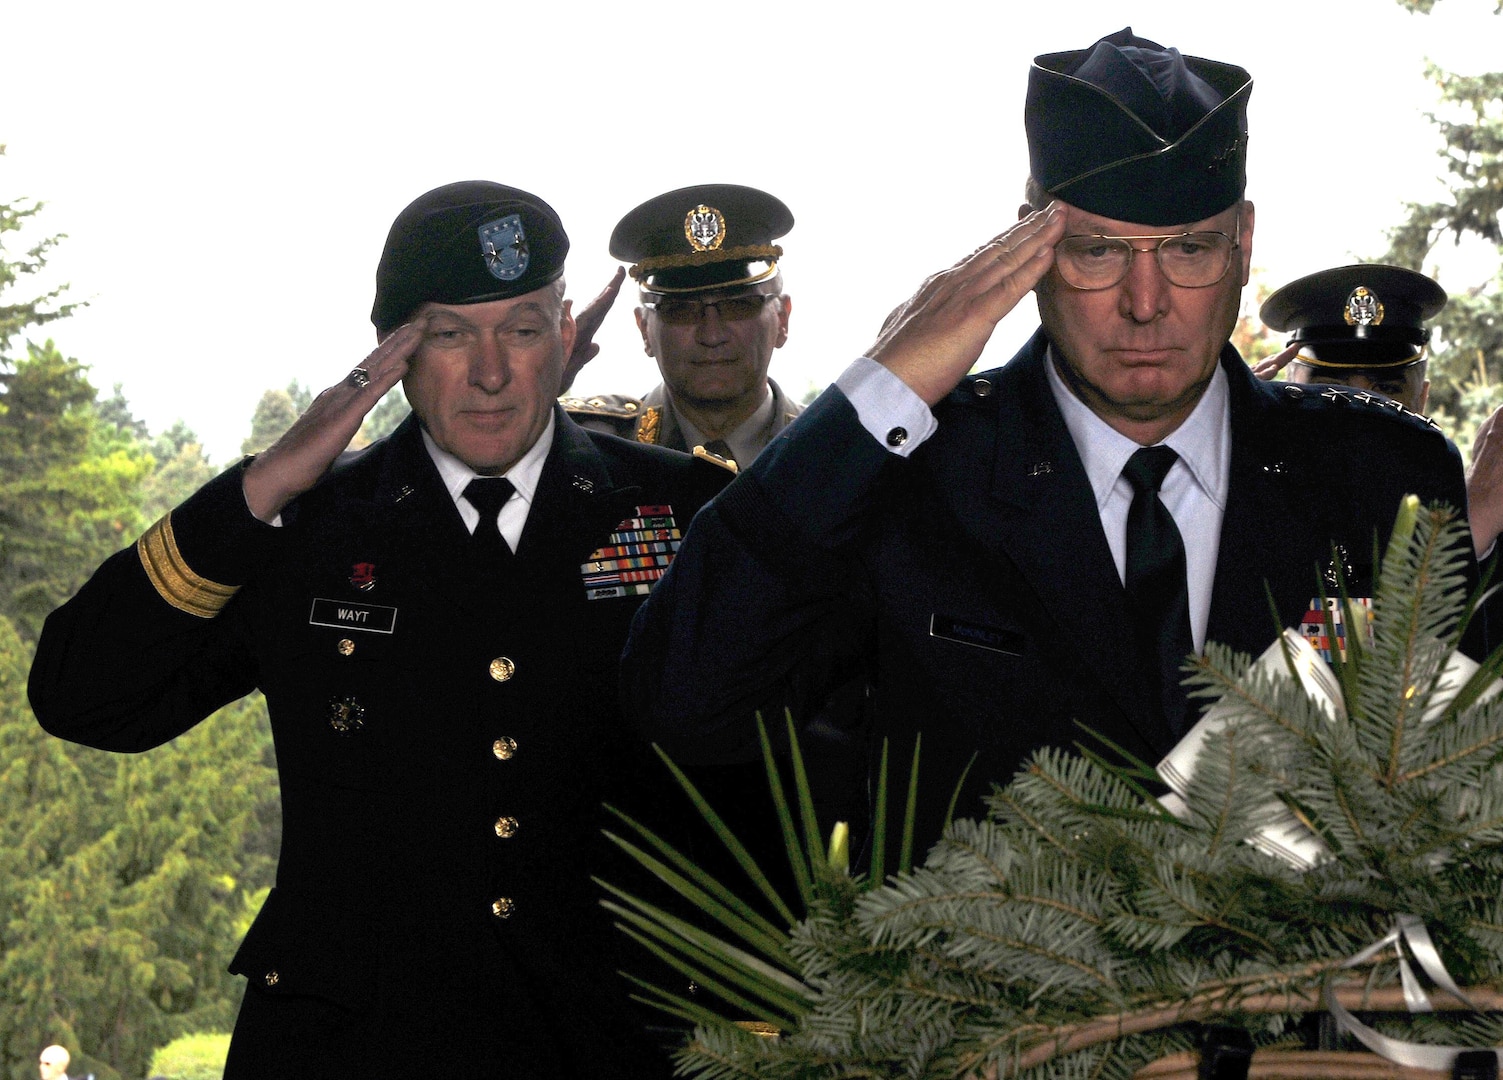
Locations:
{"points": [[506, 827], [505, 748], [271, 978], [502, 668], [345, 646], [503, 907]]}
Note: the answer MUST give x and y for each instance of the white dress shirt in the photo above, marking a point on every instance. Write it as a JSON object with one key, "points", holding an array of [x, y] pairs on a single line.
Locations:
{"points": [[746, 441], [1194, 491], [523, 475]]}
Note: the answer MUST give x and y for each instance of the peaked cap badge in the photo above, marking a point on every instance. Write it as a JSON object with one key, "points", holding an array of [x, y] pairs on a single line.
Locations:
{"points": [[1363, 308], [503, 245], [704, 228]]}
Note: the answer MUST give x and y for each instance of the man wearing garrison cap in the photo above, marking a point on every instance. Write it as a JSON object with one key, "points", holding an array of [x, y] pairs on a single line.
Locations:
{"points": [[435, 623], [712, 312], [1014, 551]]}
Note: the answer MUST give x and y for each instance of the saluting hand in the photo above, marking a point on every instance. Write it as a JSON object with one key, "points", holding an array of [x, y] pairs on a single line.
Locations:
{"points": [[586, 323], [937, 335], [1484, 484], [296, 461], [1270, 366]]}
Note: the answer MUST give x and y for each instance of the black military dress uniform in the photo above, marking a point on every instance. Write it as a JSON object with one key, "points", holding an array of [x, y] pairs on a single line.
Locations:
{"points": [[975, 581], [445, 733]]}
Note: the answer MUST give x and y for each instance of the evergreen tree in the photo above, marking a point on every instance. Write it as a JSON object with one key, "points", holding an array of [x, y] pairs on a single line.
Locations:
{"points": [[174, 478], [19, 315], [1466, 370], [384, 418], [68, 485], [275, 413], [123, 879]]}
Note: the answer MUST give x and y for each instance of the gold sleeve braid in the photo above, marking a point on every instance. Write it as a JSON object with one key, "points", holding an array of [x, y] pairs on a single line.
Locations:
{"points": [[173, 579]]}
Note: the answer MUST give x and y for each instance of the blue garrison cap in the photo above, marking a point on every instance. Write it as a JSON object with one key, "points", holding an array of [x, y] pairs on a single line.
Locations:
{"points": [[1131, 130]]}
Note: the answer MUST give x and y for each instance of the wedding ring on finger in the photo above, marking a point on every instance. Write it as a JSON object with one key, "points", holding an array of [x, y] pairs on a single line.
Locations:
{"points": [[359, 378]]}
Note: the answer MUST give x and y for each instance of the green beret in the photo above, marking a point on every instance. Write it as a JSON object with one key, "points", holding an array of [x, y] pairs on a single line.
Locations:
{"points": [[467, 243]]}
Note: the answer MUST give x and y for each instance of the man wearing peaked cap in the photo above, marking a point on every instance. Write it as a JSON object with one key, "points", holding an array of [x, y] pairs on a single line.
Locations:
{"points": [[1011, 552], [1364, 327], [1361, 326], [712, 312], [435, 623]]}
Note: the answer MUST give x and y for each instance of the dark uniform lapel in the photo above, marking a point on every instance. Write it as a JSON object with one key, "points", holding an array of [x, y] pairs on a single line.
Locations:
{"points": [[577, 503], [412, 506], [1042, 515], [1270, 539]]}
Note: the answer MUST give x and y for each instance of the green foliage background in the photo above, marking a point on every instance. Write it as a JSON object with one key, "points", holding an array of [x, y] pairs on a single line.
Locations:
{"points": [[1466, 367], [125, 881]]}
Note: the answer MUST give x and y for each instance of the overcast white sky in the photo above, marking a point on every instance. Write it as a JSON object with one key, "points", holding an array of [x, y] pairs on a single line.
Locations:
{"points": [[226, 173]]}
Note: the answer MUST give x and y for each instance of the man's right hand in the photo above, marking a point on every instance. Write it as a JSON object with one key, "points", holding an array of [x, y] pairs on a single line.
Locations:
{"points": [[586, 322], [937, 335], [1484, 484], [1270, 366], [296, 461]]}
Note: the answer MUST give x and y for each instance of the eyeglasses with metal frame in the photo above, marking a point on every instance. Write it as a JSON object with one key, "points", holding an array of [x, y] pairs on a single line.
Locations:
{"points": [[1192, 260], [677, 311]]}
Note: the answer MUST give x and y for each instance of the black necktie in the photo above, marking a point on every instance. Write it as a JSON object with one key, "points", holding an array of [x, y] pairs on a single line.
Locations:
{"points": [[488, 494], [1156, 580]]}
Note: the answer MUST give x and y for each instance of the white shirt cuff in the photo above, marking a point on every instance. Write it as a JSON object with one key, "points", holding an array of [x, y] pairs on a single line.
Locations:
{"points": [[894, 415]]}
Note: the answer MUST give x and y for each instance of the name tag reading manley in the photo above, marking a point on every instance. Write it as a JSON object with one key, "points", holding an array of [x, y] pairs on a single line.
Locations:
{"points": [[348, 616]]}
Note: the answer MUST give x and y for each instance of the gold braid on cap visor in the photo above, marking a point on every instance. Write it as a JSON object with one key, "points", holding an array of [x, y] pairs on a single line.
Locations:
{"points": [[747, 253], [1365, 365]]}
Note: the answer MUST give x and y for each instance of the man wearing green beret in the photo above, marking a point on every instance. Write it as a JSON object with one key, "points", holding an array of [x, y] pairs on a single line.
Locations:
{"points": [[435, 623], [1016, 552]]}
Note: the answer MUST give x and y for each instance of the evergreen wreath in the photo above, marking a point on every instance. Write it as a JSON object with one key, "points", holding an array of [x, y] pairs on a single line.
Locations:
{"points": [[1082, 930]]}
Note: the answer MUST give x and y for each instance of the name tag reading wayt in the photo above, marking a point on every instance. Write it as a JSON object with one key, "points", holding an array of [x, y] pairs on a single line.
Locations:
{"points": [[348, 616]]}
